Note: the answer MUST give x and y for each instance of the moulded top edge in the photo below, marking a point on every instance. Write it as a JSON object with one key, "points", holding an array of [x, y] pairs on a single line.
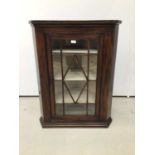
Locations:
{"points": [[73, 22]]}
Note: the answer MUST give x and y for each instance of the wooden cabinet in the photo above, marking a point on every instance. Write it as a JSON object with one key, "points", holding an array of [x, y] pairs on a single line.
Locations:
{"points": [[76, 62]]}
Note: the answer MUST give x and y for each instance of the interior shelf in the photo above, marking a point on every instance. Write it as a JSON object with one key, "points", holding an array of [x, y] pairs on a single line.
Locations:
{"points": [[75, 51], [75, 76]]}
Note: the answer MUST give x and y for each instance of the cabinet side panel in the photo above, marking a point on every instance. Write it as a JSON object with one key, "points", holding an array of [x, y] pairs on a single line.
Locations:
{"points": [[37, 69], [114, 44], [108, 62], [50, 72], [43, 74], [99, 74]]}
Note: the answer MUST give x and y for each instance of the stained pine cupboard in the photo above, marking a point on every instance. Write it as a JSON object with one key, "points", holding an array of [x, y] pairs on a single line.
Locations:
{"points": [[75, 62]]}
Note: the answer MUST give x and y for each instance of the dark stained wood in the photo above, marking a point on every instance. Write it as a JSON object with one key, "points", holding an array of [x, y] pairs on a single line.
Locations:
{"points": [[50, 74], [98, 80], [76, 124], [105, 33], [114, 48], [88, 74], [62, 76], [106, 75], [61, 23], [43, 74]]}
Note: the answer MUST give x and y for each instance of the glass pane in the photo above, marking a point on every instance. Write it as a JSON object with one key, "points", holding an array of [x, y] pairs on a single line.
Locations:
{"points": [[83, 97], [57, 65], [92, 97], [58, 97], [77, 91], [93, 67], [57, 76], [59, 109], [93, 60], [67, 98], [75, 97], [74, 65], [75, 71], [91, 109], [92, 77], [75, 109], [56, 59]]}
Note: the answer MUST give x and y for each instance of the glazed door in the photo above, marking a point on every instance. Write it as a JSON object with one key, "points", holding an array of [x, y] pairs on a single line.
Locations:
{"points": [[73, 72]]}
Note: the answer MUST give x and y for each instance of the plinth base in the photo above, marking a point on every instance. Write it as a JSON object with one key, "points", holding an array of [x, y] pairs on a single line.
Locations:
{"points": [[79, 124]]}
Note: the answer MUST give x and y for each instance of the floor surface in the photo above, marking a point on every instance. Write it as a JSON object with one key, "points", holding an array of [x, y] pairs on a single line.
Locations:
{"points": [[118, 139]]}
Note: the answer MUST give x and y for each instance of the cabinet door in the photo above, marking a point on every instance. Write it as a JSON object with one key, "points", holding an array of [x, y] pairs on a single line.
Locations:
{"points": [[73, 72]]}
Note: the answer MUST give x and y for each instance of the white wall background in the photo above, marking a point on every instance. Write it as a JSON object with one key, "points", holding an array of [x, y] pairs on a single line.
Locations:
{"points": [[78, 10]]}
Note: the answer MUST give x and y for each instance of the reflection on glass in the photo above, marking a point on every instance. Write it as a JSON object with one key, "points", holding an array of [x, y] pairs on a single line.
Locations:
{"points": [[57, 66], [92, 97], [58, 97], [75, 109], [75, 71], [92, 67]]}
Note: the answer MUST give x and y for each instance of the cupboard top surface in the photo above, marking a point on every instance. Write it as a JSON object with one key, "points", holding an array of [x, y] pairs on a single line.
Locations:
{"points": [[73, 22]]}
